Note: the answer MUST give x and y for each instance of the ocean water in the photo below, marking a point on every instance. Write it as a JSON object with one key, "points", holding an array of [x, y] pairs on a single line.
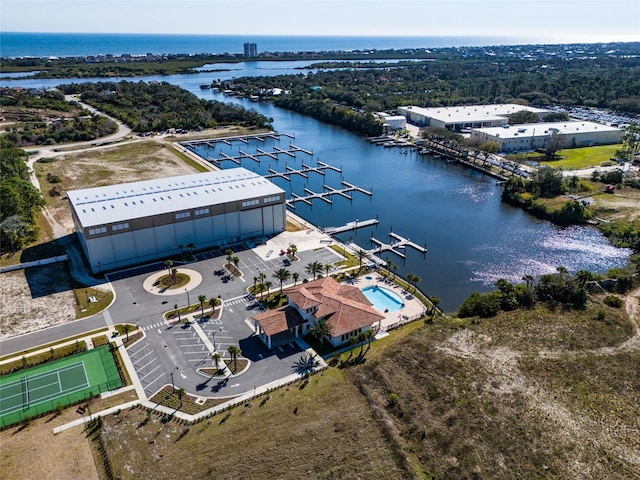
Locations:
{"points": [[15, 44]]}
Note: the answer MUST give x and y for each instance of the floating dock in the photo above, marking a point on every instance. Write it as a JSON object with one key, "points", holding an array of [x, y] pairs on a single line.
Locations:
{"points": [[211, 142], [351, 226], [303, 172], [327, 194], [394, 247]]}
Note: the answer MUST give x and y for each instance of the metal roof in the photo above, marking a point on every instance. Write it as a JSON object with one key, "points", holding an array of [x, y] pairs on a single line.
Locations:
{"points": [[543, 129], [127, 201], [472, 113]]}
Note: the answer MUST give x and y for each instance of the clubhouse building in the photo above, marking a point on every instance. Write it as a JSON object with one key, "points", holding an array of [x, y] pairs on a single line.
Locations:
{"points": [[134, 223], [344, 308]]}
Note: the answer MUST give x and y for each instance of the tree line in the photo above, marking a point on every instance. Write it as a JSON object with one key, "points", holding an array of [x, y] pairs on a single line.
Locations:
{"points": [[157, 106], [604, 82], [560, 289], [44, 117], [21, 201]]}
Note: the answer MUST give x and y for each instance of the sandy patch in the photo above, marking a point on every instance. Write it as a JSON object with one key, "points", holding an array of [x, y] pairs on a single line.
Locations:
{"points": [[26, 307]]}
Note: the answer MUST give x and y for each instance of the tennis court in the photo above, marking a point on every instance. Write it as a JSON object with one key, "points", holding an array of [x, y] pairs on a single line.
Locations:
{"points": [[59, 383]]}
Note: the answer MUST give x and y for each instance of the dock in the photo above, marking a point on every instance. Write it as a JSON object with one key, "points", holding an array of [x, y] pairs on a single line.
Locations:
{"points": [[303, 172], [351, 226], [211, 142], [400, 243], [327, 194]]}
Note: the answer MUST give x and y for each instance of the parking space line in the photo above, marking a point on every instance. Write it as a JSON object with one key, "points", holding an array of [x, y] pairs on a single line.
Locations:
{"points": [[147, 364], [146, 354], [147, 374], [154, 381]]}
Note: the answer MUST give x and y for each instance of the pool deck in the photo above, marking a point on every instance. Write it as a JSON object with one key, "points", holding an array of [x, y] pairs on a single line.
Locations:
{"points": [[412, 306]]}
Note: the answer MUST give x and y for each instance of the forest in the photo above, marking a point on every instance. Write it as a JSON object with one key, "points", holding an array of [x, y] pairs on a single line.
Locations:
{"points": [[158, 106], [607, 82], [44, 117]]}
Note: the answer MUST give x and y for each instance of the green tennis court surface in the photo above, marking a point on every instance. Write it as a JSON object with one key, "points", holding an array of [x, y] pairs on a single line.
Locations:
{"points": [[59, 383]]}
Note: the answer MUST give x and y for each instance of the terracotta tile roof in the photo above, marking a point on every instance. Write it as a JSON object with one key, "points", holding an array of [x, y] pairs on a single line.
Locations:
{"points": [[278, 320], [344, 307]]}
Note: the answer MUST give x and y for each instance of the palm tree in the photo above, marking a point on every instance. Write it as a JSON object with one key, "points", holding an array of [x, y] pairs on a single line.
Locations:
{"points": [[213, 302], [361, 338], [528, 280], [368, 335], [174, 272], [435, 301], [320, 330], [313, 268], [391, 266], [295, 276], [267, 285], [327, 268], [191, 246], [169, 264], [181, 393], [293, 248], [234, 351], [413, 280], [282, 275], [175, 307], [181, 247], [229, 253], [202, 299], [127, 328], [352, 342], [361, 254], [215, 356], [235, 261]]}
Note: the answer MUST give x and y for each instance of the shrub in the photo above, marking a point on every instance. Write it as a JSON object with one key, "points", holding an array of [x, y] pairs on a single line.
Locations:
{"points": [[393, 399], [612, 301]]}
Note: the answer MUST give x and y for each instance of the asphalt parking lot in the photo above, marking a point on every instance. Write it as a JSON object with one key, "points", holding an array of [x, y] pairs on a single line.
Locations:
{"points": [[172, 354]]}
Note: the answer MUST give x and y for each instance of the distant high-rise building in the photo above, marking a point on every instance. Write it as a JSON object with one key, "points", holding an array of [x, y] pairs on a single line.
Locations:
{"points": [[250, 50]]}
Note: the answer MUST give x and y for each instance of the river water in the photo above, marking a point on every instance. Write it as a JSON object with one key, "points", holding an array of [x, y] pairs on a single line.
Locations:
{"points": [[472, 238]]}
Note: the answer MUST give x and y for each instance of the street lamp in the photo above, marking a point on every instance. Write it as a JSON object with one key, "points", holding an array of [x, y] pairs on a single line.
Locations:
{"points": [[188, 303], [215, 349], [173, 387]]}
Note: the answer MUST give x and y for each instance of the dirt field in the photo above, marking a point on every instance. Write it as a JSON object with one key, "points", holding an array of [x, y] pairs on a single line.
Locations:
{"points": [[33, 452], [43, 296]]}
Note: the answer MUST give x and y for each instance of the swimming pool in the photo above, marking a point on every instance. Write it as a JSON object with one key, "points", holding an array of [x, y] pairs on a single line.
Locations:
{"points": [[383, 299]]}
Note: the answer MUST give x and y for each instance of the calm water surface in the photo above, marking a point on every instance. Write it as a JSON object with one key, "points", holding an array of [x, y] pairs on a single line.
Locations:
{"points": [[472, 238]]}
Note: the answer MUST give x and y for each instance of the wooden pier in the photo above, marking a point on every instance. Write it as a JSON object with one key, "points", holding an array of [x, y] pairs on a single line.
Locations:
{"points": [[351, 226], [327, 194]]}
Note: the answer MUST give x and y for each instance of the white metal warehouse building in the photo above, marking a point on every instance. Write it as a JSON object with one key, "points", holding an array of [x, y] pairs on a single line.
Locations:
{"points": [[133, 223], [465, 117], [518, 138]]}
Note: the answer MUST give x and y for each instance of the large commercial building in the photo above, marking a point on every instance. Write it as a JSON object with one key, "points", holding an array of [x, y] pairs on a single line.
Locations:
{"points": [[133, 223], [518, 138], [465, 117]]}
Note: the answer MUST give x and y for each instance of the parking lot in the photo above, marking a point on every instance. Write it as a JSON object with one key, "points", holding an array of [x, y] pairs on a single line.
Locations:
{"points": [[172, 353]]}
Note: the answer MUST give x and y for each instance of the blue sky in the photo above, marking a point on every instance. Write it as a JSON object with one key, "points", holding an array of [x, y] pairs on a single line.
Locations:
{"points": [[549, 20]]}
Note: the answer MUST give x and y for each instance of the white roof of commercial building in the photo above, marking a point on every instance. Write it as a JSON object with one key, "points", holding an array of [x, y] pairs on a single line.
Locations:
{"points": [[543, 129], [126, 201], [473, 113]]}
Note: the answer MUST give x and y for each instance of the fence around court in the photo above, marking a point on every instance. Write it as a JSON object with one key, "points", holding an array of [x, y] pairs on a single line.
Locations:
{"points": [[101, 371]]}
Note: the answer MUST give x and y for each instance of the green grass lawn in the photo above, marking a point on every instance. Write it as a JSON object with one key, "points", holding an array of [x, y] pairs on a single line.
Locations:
{"points": [[577, 158]]}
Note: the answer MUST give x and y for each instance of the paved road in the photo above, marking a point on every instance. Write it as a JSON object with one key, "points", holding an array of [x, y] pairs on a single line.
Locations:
{"points": [[173, 353]]}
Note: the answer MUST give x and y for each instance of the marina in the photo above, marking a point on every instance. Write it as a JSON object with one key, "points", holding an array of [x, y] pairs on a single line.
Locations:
{"points": [[400, 243], [327, 194], [351, 226]]}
